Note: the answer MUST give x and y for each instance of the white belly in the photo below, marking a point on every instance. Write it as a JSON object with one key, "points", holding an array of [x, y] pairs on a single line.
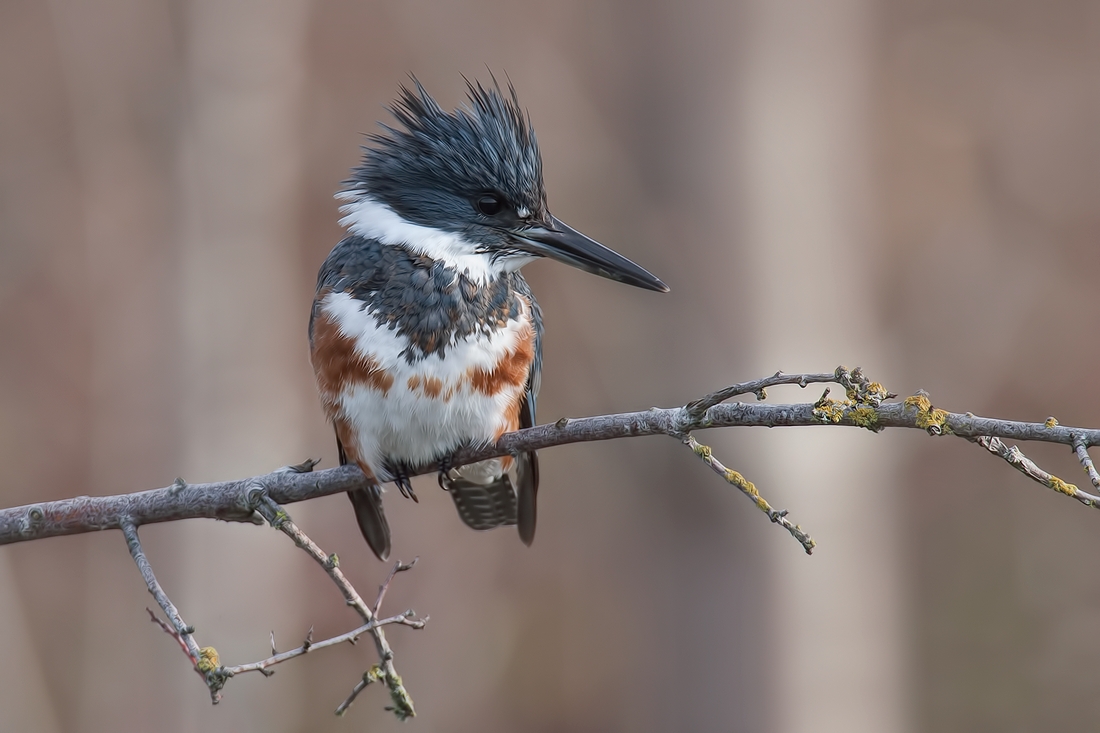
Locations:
{"points": [[431, 408]]}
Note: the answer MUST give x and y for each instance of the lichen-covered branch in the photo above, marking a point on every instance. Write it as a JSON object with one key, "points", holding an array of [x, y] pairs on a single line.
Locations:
{"points": [[866, 406], [1016, 458], [734, 478]]}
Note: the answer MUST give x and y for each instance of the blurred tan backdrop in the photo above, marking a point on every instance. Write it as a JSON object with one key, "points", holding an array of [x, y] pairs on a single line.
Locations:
{"points": [[910, 185]]}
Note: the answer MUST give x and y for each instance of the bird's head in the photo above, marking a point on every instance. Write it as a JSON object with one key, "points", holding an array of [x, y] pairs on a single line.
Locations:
{"points": [[466, 187]]}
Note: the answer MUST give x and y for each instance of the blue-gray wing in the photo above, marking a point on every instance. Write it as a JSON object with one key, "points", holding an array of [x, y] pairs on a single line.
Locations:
{"points": [[527, 464]]}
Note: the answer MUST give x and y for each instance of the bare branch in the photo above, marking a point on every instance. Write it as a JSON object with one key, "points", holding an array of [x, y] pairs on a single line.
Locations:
{"points": [[398, 567], [175, 635], [361, 685], [405, 619], [183, 631], [205, 661], [279, 519], [758, 387]]}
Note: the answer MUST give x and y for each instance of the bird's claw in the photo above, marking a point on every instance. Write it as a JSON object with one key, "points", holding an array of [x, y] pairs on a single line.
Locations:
{"points": [[444, 469], [405, 487]]}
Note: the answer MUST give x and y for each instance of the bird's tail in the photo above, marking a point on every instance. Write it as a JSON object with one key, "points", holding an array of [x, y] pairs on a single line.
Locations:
{"points": [[500, 502], [367, 504], [372, 520], [527, 489]]}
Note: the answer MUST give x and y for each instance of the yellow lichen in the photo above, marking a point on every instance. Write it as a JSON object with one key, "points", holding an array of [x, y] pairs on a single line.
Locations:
{"points": [[402, 701], [919, 401], [929, 418], [876, 389], [829, 410], [871, 393], [1059, 485], [934, 418], [1050, 423], [864, 417], [208, 659], [748, 487], [859, 389]]}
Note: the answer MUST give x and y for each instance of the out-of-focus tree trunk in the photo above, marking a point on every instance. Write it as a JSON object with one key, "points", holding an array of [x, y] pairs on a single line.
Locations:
{"points": [[989, 121], [118, 62], [243, 346], [838, 659], [25, 700]]}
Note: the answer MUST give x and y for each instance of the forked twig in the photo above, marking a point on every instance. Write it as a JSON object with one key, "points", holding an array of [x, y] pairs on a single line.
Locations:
{"points": [[278, 518], [206, 660], [398, 567]]}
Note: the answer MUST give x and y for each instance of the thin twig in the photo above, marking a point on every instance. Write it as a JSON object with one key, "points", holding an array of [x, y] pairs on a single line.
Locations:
{"points": [[398, 567], [279, 519], [204, 660], [359, 687], [405, 619], [758, 387], [175, 635], [183, 631], [1082, 452], [778, 516], [1029, 468]]}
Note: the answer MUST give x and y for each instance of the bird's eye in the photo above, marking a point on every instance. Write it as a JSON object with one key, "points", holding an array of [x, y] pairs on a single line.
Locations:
{"points": [[490, 204]]}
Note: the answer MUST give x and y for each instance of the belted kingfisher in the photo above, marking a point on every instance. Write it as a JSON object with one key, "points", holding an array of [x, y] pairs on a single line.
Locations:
{"points": [[424, 337]]}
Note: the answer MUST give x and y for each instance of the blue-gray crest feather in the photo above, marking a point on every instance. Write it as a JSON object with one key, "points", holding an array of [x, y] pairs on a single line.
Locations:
{"points": [[435, 162]]}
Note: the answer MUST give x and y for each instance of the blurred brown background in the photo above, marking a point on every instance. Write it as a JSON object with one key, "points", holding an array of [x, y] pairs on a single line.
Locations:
{"points": [[911, 185]]}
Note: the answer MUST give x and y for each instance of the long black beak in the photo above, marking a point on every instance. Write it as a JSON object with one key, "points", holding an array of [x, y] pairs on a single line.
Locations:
{"points": [[563, 243]]}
